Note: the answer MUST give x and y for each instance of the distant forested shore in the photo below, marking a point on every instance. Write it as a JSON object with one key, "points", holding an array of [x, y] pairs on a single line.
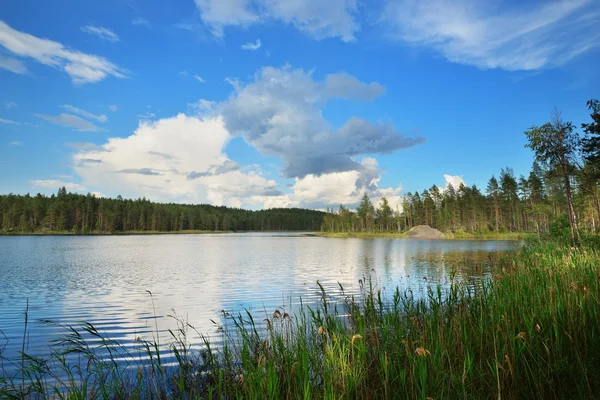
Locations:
{"points": [[66, 213], [560, 193]]}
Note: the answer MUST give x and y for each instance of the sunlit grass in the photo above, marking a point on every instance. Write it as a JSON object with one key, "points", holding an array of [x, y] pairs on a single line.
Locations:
{"points": [[531, 331]]}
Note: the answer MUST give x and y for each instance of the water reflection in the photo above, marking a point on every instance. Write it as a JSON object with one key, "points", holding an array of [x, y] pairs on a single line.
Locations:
{"points": [[105, 280]]}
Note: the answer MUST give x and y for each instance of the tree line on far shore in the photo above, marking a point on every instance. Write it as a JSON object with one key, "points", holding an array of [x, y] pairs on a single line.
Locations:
{"points": [[89, 214], [560, 190]]}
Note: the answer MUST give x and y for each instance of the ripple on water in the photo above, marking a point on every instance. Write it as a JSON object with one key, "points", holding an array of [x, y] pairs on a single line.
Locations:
{"points": [[106, 280]]}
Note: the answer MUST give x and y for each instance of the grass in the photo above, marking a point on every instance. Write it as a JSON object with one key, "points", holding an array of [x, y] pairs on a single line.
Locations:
{"points": [[490, 235], [532, 331]]}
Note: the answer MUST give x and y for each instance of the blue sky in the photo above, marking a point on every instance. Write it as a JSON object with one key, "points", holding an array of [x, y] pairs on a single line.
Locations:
{"points": [[264, 103]]}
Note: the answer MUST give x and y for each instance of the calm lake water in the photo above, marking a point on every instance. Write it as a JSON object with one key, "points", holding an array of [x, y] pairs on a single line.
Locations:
{"points": [[105, 279]]}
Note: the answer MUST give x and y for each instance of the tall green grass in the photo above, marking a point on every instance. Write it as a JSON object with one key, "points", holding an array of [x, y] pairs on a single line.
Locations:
{"points": [[531, 331]]}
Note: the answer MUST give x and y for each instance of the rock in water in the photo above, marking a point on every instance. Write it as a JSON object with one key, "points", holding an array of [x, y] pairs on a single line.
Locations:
{"points": [[424, 232]]}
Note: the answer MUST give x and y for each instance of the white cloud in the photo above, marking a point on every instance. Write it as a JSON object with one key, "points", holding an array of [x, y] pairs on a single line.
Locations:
{"points": [[100, 118], [281, 114], [252, 46], [346, 86], [202, 107], [316, 18], [517, 36], [454, 180], [9, 122], [12, 64], [15, 143], [113, 107], [54, 185], [10, 104], [81, 67], [140, 21], [146, 115], [101, 32], [199, 79], [347, 188], [174, 159], [220, 13], [70, 121]]}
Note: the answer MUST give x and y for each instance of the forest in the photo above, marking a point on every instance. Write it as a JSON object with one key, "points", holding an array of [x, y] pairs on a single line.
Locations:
{"points": [[560, 189], [86, 214]]}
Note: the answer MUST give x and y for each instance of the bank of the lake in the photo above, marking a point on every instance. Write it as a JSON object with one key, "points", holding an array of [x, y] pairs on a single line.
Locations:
{"points": [[533, 331], [448, 235], [109, 233]]}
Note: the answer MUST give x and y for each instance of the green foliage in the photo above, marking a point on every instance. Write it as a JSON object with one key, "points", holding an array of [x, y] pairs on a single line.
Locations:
{"points": [[591, 142], [560, 229], [556, 185], [76, 213]]}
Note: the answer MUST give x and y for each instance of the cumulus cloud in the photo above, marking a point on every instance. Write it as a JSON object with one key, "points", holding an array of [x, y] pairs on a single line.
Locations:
{"points": [[280, 113], [345, 188], [346, 86], [214, 170], [159, 154], [315, 18], [70, 121], [81, 67], [113, 107], [10, 104], [101, 32], [252, 46], [454, 180], [174, 159], [140, 171], [516, 36], [199, 79], [54, 184], [100, 118]]}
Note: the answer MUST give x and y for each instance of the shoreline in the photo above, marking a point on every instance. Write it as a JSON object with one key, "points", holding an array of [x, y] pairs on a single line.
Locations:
{"points": [[128, 233], [337, 235], [102, 233], [402, 235]]}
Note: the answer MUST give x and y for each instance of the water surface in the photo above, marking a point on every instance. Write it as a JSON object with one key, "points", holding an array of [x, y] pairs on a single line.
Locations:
{"points": [[106, 280]]}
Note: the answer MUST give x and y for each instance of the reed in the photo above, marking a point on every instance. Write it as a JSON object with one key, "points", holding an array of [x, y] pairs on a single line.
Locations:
{"points": [[531, 331]]}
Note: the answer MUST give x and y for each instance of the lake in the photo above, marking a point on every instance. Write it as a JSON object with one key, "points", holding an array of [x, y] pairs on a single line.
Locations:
{"points": [[106, 280]]}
